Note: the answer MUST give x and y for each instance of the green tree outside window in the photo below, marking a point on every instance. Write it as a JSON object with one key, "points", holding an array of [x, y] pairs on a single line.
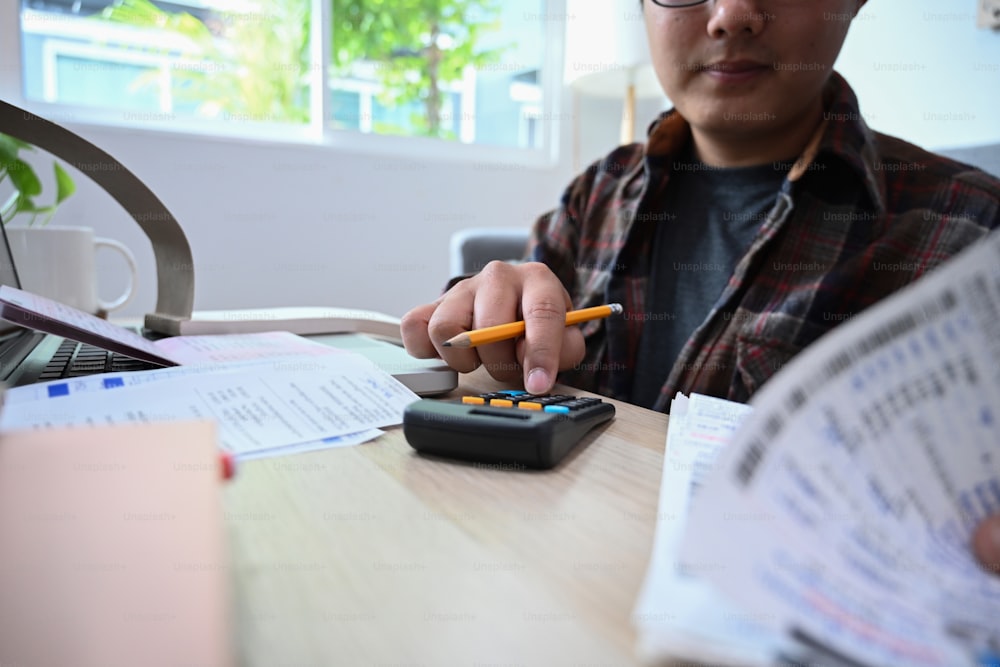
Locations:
{"points": [[253, 65], [246, 65], [418, 45]]}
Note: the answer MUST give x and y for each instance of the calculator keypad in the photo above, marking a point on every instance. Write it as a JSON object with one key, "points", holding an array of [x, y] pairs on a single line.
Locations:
{"points": [[512, 398]]}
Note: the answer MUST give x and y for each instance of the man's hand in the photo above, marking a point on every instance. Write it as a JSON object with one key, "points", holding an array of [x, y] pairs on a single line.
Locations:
{"points": [[499, 294], [986, 543]]}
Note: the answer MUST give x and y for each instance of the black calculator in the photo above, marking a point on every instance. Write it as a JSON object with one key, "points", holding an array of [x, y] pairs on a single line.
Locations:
{"points": [[505, 427]]}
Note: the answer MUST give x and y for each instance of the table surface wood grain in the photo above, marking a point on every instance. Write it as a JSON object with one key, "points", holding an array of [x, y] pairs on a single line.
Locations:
{"points": [[377, 555]]}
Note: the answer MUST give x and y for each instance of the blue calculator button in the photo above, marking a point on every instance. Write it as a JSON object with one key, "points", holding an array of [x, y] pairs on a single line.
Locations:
{"points": [[512, 392], [562, 409]]}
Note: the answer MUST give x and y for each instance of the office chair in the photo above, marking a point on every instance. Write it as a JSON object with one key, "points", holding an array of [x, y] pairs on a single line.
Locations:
{"points": [[473, 248]]}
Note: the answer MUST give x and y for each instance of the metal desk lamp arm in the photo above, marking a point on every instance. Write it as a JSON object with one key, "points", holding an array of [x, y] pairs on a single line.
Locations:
{"points": [[174, 264]]}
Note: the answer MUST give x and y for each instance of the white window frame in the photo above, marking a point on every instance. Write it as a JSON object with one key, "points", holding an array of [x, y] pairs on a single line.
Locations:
{"points": [[55, 48], [529, 114], [318, 132]]}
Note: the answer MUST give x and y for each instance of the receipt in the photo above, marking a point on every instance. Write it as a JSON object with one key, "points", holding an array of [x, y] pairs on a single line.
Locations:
{"points": [[679, 615], [848, 496]]}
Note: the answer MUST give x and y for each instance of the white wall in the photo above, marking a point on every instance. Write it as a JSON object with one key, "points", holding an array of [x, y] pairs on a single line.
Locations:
{"points": [[921, 69], [300, 225], [924, 72], [303, 225]]}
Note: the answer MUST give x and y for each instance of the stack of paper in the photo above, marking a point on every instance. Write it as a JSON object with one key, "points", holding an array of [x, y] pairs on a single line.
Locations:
{"points": [[837, 521], [261, 408], [269, 393], [679, 614]]}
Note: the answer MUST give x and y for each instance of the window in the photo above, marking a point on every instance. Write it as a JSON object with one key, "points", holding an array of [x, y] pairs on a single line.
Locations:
{"points": [[465, 72]]}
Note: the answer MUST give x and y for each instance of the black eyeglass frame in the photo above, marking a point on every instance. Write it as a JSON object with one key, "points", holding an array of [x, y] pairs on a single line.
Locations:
{"points": [[680, 6]]}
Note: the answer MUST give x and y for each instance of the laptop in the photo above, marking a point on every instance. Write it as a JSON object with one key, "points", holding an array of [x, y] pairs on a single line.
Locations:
{"points": [[28, 356]]}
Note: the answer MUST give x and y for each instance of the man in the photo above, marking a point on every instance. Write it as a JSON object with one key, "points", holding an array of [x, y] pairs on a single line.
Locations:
{"points": [[760, 213]]}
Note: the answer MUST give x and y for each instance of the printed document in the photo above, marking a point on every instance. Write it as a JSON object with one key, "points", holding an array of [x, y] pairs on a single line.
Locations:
{"points": [[839, 515], [271, 393], [328, 400], [680, 615]]}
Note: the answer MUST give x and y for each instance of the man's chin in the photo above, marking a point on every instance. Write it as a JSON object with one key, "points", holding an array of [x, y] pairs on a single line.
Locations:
{"points": [[733, 113], [737, 123]]}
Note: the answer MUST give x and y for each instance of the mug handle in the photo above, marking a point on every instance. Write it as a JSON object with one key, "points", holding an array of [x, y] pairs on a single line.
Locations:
{"points": [[108, 306]]}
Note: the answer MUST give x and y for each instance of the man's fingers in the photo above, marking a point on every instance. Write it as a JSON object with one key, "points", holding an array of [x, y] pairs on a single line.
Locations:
{"points": [[986, 543], [543, 305], [499, 294], [573, 348], [452, 317], [498, 300], [426, 327], [413, 327], [570, 354], [500, 361]]}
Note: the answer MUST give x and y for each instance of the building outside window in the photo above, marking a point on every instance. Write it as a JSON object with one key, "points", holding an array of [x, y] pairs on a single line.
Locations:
{"points": [[470, 72]]}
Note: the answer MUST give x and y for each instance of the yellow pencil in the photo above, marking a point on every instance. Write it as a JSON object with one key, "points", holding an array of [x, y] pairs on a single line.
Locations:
{"points": [[515, 329]]}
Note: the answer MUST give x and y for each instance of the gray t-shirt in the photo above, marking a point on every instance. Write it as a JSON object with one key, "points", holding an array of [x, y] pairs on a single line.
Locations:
{"points": [[714, 215]]}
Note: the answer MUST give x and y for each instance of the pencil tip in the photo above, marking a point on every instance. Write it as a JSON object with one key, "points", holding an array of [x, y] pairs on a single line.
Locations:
{"points": [[447, 343]]}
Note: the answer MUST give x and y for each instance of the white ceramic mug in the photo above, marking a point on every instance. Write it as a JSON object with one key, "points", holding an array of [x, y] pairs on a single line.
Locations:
{"points": [[60, 263]]}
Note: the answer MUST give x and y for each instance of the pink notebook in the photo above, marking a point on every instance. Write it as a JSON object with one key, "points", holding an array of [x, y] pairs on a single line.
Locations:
{"points": [[113, 547]]}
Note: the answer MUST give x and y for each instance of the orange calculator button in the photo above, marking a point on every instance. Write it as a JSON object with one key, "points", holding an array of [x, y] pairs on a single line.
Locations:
{"points": [[473, 400], [501, 403]]}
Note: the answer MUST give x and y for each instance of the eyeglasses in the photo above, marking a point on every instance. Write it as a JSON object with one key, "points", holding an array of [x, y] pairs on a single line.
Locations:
{"points": [[678, 3]]}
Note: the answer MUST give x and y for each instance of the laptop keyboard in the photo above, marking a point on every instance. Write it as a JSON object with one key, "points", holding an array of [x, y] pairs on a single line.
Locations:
{"points": [[74, 359]]}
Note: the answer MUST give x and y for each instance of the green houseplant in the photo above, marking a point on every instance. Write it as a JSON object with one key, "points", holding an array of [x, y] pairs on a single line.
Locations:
{"points": [[53, 261], [27, 186]]}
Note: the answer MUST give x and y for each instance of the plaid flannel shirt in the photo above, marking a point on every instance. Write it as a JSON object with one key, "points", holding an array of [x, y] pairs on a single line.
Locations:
{"points": [[860, 215]]}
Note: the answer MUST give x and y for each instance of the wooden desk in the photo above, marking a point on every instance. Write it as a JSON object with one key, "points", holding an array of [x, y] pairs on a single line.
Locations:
{"points": [[376, 555]]}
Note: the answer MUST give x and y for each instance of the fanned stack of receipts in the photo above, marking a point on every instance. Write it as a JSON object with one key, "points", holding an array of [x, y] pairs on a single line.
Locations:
{"points": [[829, 522]]}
